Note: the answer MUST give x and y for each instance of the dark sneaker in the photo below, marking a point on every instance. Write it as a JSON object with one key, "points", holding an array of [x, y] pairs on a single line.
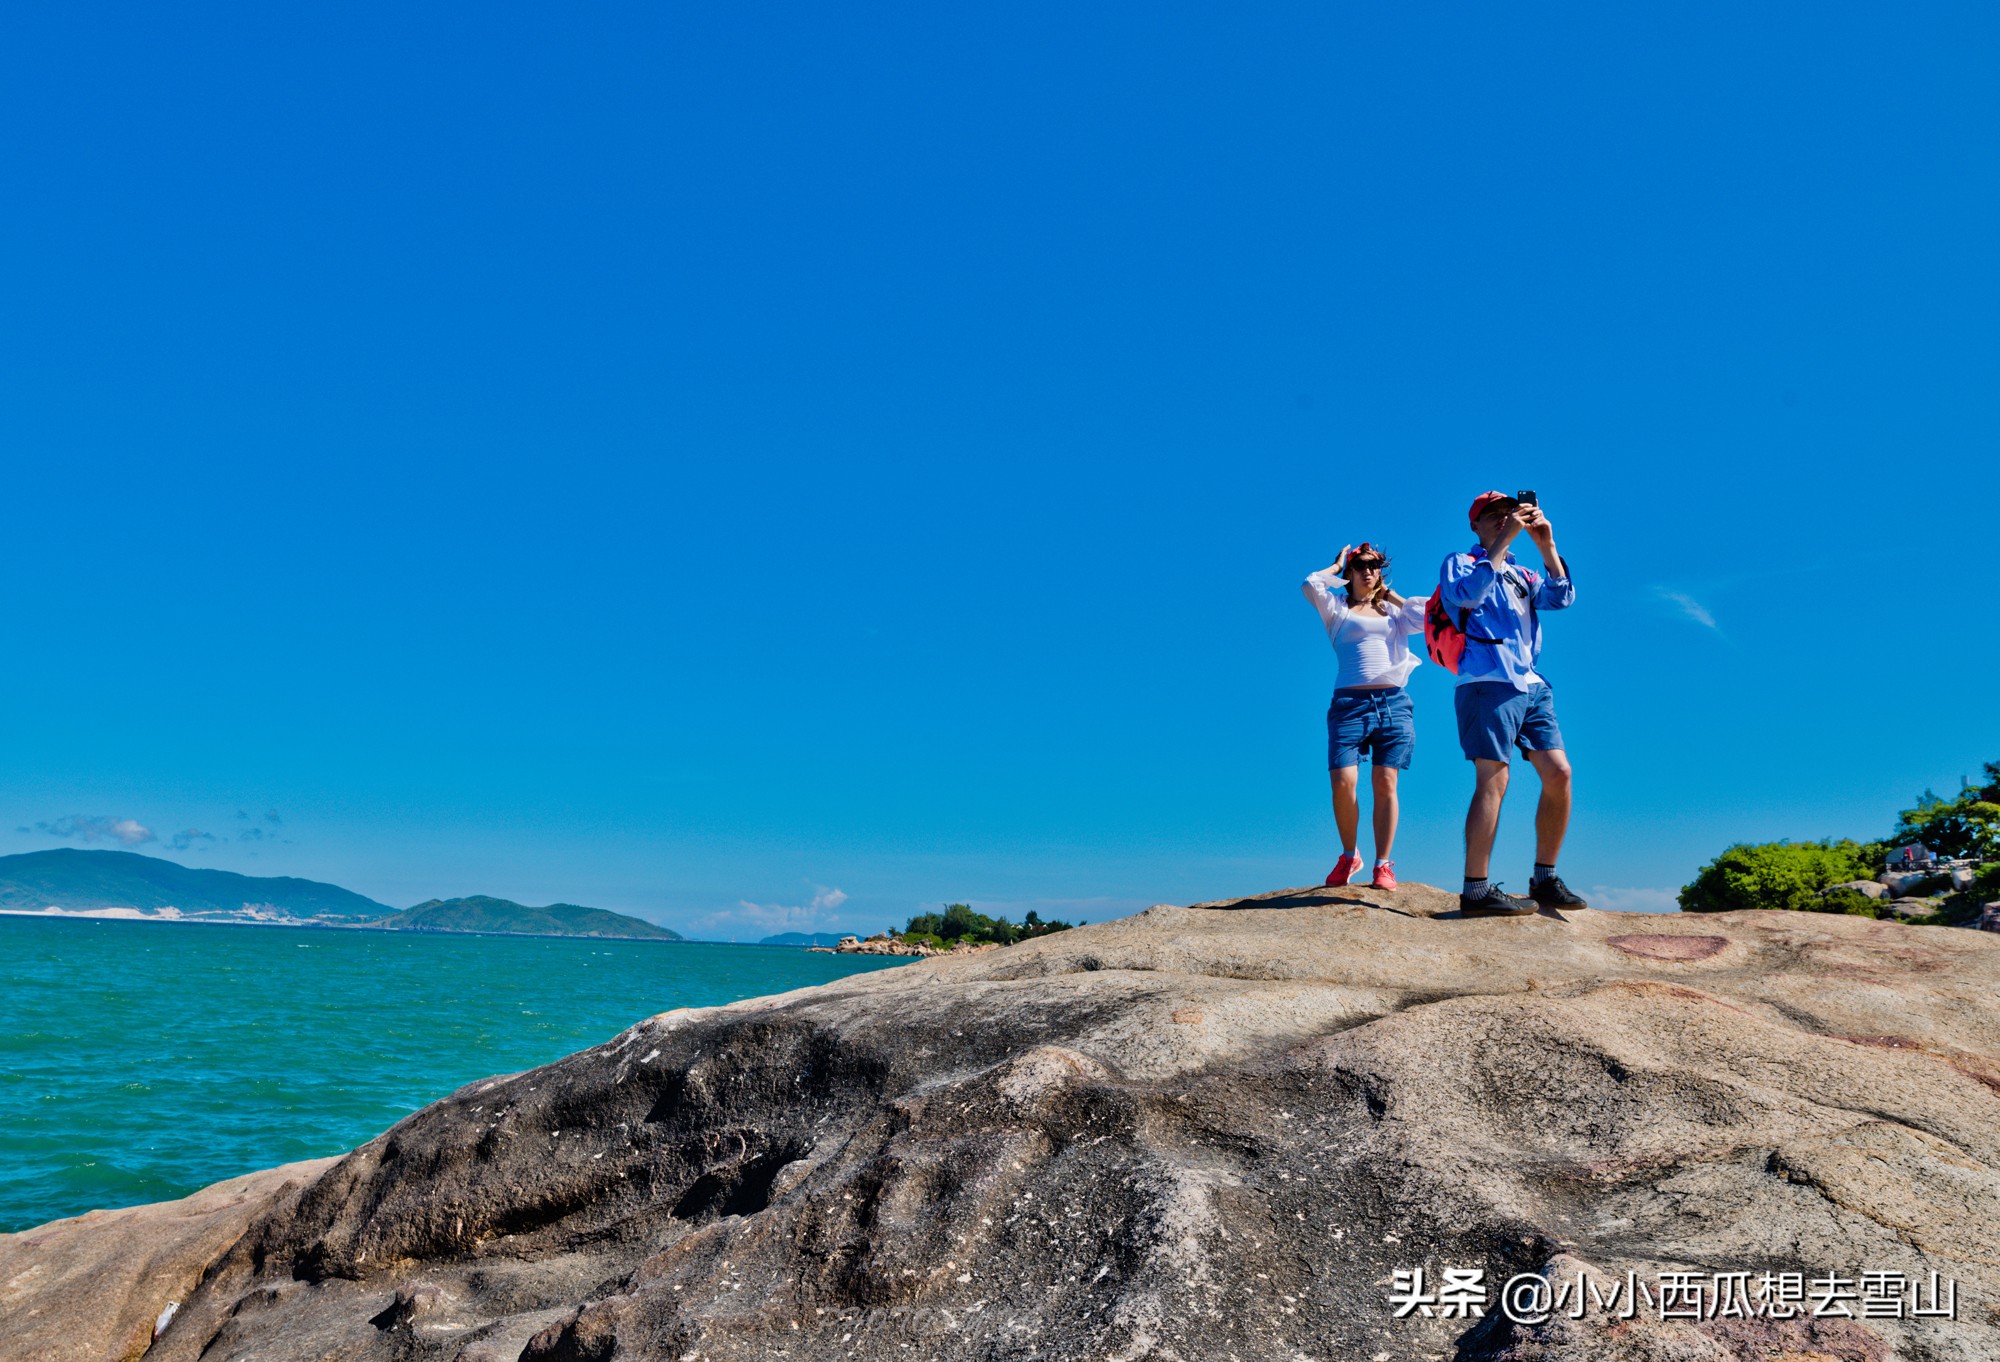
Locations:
{"points": [[1553, 893], [1493, 903]]}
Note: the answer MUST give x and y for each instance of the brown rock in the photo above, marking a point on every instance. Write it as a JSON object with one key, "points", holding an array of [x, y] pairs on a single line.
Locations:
{"points": [[91, 1289]]}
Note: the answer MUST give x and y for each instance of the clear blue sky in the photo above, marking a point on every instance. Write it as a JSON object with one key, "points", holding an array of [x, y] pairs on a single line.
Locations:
{"points": [[701, 460]]}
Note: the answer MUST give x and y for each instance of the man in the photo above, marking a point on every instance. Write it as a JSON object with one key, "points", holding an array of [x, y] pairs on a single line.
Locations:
{"points": [[1503, 702]]}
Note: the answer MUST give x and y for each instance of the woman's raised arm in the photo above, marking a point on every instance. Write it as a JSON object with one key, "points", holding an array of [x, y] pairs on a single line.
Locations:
{"points": [[1327, 590]]}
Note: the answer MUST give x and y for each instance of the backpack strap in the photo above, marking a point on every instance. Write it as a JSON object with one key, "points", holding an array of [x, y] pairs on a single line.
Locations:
{"points": [[1465, 615]]}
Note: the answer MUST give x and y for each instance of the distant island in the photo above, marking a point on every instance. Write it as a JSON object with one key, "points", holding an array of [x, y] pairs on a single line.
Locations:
{"points": [[68, 882], [480, 913], [802, 939], [126, 884]]}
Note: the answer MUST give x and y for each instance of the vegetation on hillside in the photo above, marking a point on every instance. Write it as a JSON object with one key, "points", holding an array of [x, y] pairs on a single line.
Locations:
{"points": [[959, 923], [1798, 876], [481, 913]]}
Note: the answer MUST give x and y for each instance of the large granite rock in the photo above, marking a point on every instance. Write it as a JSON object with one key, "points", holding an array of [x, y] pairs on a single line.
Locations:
{"points": [[94, 1288], [1200, 1133]]}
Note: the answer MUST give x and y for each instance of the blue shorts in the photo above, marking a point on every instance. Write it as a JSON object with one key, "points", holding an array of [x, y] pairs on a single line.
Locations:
{"points": [[1379, 720], [1493, 716]]}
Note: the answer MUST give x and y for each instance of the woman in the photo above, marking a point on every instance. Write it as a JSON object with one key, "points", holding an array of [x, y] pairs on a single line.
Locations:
{"points": [[1370, 627]]}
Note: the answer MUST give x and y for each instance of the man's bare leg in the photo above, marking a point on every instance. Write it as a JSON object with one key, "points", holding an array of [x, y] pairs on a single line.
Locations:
{"points": [[1482, 820], [1552, 813], [1386, 810], [1346, 805]]}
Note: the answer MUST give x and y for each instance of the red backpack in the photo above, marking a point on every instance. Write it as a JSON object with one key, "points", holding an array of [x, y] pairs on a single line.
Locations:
{"points": [[1445, 637]]}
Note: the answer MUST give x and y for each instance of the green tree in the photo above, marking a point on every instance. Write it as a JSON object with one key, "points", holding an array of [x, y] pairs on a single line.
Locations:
{"points": [[1990, 791], [1785, 875], [1966, 826], [958, 922]]}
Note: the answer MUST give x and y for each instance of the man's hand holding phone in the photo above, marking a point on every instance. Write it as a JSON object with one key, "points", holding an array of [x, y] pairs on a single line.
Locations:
{"points": [[1535, 522], [1539, 529]]}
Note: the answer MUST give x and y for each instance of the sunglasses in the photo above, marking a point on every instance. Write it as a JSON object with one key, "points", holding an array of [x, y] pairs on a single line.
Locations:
{"points": [[1365, 564]]}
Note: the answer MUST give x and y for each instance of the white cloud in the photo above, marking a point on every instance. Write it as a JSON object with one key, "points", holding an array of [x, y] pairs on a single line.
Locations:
{"points": [[1690, 608], [817, 914], [99, 828], [1634, 900]]}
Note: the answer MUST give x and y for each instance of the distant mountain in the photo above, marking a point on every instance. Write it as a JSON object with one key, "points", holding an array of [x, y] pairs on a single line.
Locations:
{"points": [[95, 881], [482, 914], [804, 939]]}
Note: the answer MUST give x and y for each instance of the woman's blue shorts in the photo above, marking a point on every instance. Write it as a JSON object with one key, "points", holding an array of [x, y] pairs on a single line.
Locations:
{"points": [[1378, 720]]}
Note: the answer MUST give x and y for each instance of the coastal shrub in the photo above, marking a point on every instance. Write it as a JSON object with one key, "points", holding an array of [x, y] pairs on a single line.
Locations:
{"points": [[1790, 875], [1985, 886], [1851, 901], [1783, 875], [958, 922]]}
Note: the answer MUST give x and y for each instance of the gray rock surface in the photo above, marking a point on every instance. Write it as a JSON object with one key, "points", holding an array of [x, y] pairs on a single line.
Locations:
{"points": [[1912, 907], [1199, 1134], [1874, 889], [1915, 884]]}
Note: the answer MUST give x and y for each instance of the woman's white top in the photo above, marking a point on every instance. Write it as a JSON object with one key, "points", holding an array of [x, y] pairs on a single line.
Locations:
{"points": [[1374, 650]]}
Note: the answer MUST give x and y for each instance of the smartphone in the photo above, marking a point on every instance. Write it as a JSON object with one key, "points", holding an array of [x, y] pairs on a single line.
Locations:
{"points": [[1526, 498]]}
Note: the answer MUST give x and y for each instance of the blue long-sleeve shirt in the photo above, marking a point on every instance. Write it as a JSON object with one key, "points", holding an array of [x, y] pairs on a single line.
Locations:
{"points": [[1503, 628]]}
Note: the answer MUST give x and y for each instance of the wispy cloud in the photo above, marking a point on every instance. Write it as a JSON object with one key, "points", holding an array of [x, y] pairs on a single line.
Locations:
{"points": [[186, 838], [84, 827], [1634, 900], [768, 919], [1689, 607]]}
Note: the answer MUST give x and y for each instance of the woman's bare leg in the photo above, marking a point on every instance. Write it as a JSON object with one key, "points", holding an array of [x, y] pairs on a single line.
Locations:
{"points": [[1386, 810], [1346, 805]]}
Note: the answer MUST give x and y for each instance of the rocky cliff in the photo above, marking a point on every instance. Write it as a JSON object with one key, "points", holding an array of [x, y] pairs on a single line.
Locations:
{"points": [[1200, 1133]]}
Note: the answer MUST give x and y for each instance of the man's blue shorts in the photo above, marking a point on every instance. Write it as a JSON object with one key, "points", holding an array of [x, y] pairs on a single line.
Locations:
{"points": [[1493, 716], [1379, 720]]}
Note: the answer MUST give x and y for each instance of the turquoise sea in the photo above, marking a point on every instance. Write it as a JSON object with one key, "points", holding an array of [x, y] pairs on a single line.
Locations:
{"points": [[142, 1060]]}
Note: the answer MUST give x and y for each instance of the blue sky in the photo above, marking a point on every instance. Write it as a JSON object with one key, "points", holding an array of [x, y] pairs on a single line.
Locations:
{"points": [[787, 466]]}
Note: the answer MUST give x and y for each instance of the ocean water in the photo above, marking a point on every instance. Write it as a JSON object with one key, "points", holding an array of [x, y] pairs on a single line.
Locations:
{"points": [[143, 1060]]}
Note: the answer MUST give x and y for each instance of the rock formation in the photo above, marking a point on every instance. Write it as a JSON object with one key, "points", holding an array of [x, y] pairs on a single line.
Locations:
{"points": [[1198, 1134], [98, 1286], [882, 943]]}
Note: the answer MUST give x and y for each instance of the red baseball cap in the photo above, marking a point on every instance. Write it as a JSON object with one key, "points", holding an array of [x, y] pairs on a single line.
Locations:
{"points": [[1484, 502]]}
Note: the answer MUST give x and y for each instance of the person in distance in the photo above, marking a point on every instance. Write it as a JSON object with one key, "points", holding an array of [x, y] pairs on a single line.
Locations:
{"points": [[1502, 701], [1370, 627]]}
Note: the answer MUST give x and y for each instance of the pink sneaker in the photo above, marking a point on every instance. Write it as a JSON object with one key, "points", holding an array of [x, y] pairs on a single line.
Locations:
{"points": [[1344, 868], [1385, 875]]}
